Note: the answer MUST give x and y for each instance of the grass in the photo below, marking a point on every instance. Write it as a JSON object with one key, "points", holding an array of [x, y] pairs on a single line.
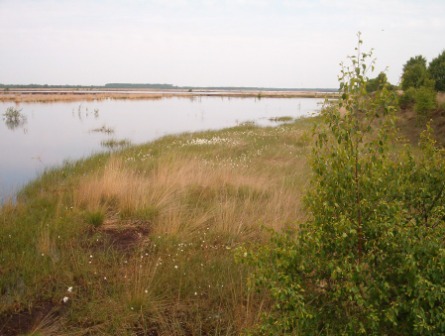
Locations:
{"points": [[42, 95], [146, 236]]}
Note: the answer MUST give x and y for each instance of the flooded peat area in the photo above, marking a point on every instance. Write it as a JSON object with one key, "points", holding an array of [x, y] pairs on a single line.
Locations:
{"points": [[35, 136]]}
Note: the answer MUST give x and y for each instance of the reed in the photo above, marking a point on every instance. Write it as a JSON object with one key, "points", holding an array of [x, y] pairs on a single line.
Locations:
{"points": [[42, 96]]}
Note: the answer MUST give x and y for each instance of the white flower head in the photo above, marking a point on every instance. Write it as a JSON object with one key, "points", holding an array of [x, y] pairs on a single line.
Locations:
{"points": [[65, 299]]}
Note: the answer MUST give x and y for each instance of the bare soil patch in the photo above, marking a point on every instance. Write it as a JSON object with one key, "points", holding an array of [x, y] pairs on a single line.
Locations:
{"points": [[123, 235], [26, 321], [411, 126]]}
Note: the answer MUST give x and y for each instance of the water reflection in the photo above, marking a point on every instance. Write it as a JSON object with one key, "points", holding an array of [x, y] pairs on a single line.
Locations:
{"points": [[113, 144], [104, 129], [82, 113]]}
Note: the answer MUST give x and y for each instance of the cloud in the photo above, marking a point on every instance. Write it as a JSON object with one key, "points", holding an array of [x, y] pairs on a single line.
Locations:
{"points": [[207, 42]]}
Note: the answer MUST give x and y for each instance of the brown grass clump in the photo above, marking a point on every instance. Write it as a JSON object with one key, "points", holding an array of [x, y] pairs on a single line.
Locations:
{"points": [[185, 195]]}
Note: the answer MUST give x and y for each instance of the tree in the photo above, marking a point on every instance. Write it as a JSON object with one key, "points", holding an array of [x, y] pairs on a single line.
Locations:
{"points": [[436, 70], [371, 260], [415, 73], [376, 83]]}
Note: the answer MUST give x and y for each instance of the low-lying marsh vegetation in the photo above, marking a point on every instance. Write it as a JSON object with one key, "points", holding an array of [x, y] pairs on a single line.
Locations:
{"points": [[141, 241], [41, 95], [14, 118]]}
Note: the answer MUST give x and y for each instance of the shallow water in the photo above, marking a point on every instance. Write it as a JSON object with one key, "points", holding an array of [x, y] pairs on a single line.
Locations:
{"points": [[54, 132]]}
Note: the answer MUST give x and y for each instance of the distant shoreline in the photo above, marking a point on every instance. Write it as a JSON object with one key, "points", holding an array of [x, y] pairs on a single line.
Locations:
{"points": [[29, 95]]}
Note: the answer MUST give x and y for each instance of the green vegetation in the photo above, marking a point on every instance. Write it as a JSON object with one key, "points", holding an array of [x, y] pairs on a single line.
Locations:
{"points": [[424, 101], [95, 218], [377, 83], [415, 73], [141, 241], [420, 84], [371, 258], [436, 70]]}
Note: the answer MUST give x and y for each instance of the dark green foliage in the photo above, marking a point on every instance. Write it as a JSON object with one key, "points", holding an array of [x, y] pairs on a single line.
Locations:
{"points": [[436, 70], [377, 83], [371, 260], [415, 73]]}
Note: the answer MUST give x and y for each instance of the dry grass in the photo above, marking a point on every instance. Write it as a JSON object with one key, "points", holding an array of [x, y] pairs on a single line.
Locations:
{"points": [[188, 195], [70, 97], [45, 96]]}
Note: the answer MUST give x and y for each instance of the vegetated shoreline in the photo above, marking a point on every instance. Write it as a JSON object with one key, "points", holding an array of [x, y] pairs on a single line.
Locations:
{"points": [[28, 95], [142, 240]]}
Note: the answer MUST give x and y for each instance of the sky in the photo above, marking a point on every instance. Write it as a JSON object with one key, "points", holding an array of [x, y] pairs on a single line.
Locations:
{"points": [[261, 43]]}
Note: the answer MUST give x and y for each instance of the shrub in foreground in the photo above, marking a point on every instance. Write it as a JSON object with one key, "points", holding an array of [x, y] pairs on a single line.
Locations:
{"points": [[371, 260]]}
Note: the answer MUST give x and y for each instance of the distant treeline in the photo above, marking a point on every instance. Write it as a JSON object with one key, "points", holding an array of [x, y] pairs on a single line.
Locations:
{"points": [[46, 86], [140, 86], [225, 88], [157, 86]]}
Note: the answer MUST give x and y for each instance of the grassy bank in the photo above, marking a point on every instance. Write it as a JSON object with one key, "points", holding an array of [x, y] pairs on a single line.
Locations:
{"points": [[140, 242]]}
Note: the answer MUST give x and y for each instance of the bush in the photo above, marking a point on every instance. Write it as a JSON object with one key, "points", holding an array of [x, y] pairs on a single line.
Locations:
{"points": [[415, 73], [372, 258], [374, 84], [425, 101], [408, 98], [436, 70]]}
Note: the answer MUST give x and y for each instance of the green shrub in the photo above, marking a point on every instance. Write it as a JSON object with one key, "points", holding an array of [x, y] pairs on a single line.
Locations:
{"points": [[415, 73], [408, 98], [425, 101], [371, 260], [436, 70]]}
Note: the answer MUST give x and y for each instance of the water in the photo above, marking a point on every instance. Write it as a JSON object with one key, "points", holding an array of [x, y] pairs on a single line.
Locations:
{"points": [[54, 132]]}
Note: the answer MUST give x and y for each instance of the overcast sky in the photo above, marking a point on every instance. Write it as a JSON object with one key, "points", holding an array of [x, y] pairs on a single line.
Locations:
{"points": [[266, 43]]}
